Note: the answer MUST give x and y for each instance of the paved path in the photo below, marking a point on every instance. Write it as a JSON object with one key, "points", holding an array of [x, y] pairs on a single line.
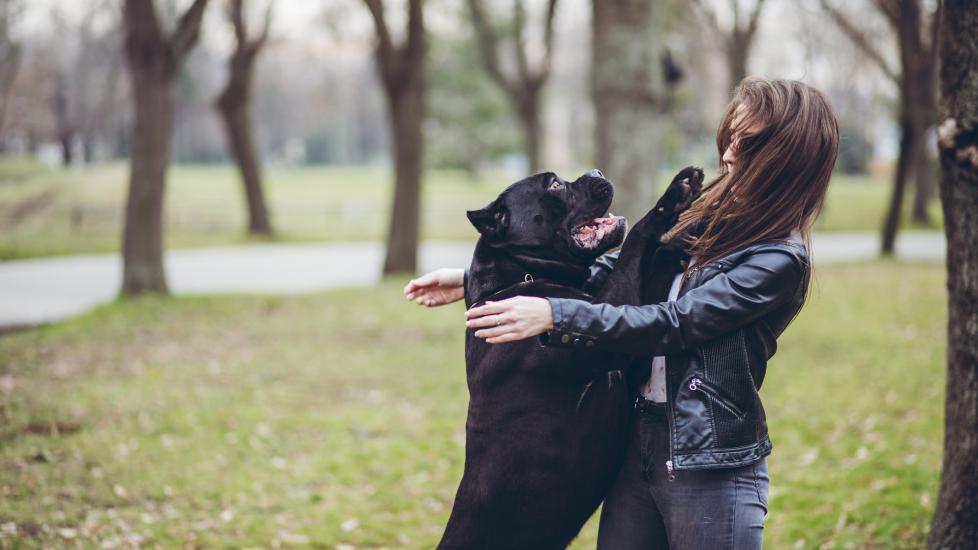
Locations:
{"points": [[43, 290]]}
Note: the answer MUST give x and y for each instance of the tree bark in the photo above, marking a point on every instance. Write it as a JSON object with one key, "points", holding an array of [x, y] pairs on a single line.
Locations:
{"points": [[532, 132], [630, 98], [737, 54], [407, 116], [234, 104], [153, 60], [402, 74], [955, 522], [923, 184]]}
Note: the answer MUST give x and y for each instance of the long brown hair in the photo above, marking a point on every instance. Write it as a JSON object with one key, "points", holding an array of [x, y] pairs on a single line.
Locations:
{"points": [[787, 143]]}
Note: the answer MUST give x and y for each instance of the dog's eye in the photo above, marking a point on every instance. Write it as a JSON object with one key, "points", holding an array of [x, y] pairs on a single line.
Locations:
{"points": [[555, 185]]}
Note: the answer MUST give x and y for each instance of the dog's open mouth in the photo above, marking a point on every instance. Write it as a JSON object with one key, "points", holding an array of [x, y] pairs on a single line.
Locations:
{"points": [[597, 233]]}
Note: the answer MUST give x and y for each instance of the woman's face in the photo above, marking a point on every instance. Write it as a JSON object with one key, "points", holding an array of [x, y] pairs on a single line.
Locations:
{"points": [[729, 157]]}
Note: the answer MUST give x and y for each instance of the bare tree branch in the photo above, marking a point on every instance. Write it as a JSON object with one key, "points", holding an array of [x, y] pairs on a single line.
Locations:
{"points": [[266, 27], [860, 40], [489, 46], [235, 14], [519, 47], [755, 16], [385, 44], [187, 31], [415, 46], [548, 43]]}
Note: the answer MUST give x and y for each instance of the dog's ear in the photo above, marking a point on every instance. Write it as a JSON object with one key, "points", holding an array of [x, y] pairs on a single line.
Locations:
{"points": [[491, 221]]}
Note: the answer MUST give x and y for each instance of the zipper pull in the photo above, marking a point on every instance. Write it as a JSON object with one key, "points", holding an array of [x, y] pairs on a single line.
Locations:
{"points": [[694, 384], [669, 473]]}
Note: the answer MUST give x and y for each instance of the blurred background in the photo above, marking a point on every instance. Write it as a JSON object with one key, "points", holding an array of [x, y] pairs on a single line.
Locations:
{"points": [[252, 168]]}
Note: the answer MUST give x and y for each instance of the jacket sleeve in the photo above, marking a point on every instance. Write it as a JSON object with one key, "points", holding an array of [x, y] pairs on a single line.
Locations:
{"points": [[761, 283], [599, 271]]}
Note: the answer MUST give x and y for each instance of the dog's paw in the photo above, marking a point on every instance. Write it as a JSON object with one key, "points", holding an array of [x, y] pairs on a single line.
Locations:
{"points": [[684, 189]]}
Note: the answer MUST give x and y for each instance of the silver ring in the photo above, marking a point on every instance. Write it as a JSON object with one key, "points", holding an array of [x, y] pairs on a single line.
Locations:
{"points": [[497, 320]]}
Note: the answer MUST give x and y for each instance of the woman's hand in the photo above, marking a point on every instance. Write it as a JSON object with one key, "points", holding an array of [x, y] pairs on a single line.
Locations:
{"points": [[440, 287], [512, 319]]}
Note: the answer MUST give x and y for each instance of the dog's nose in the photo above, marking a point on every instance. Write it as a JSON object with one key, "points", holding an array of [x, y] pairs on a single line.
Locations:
{"points": [[595, 173]]}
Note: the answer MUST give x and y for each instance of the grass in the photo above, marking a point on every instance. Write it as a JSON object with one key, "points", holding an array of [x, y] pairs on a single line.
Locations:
{"points": [[46, 211], [337, 420]]}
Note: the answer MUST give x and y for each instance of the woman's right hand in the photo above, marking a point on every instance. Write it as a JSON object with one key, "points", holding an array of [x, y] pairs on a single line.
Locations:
{"points": [[440, 287]]}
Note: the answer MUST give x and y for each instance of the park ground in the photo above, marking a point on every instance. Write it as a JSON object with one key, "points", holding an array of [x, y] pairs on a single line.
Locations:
{"points": [[336, 420], [52, 211]]}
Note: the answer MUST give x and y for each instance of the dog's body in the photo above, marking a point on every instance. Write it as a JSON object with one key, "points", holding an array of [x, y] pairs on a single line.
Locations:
{"points": [[546, 426]]}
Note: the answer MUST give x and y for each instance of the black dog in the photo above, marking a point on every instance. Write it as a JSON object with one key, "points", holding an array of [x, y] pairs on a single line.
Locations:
{"points": [[546, 427]]}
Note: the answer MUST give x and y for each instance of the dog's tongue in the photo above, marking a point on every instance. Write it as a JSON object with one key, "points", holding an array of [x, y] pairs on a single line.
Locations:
{"points": [[591, 233]]}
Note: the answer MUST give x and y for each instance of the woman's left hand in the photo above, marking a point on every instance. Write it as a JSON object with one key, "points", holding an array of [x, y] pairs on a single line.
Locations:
{"points": [[511, 319]]}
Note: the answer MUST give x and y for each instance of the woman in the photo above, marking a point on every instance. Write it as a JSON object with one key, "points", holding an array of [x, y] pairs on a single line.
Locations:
{"points": [[695, 473]]}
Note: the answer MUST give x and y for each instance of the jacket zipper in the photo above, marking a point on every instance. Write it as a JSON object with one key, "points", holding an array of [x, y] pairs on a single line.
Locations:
{"points": [[697, 384], [670, 475]]}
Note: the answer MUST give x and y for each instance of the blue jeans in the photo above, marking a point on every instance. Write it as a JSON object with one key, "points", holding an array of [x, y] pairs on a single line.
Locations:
{"points": [[720, 509]]}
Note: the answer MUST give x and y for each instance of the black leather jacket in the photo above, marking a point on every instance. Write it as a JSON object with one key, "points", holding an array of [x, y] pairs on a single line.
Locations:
{"points": [[717, 338]]}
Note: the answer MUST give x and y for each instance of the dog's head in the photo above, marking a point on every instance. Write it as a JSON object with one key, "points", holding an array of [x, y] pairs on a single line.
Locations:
{"points": [[544, 217]]}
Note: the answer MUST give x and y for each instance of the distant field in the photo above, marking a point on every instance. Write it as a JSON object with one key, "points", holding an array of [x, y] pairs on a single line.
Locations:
{"points": [[338, 419], [48, 211]]}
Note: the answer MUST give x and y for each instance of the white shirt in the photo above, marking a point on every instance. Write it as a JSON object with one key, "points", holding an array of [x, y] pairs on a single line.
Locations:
{"points": [[655, 388]]}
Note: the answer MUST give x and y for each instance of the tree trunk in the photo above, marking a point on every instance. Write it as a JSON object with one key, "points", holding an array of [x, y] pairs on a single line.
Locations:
{"points": [[406, 115], [237, 125], [525, 88], [150, 154], [402, 72], [234, 103], [737, 53], [529, 113], [153, 61], [955, 523], [921, 179], [62, 119], [629, 99], [908, 148], [923, 185]]}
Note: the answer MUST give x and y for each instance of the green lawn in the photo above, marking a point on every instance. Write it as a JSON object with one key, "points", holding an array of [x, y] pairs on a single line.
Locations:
{"points": [[338, 419], [46, 211]]}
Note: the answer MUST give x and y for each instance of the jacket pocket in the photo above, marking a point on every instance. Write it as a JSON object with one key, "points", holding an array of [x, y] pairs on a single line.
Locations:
{"points": [[697, 384], [730, 391]]}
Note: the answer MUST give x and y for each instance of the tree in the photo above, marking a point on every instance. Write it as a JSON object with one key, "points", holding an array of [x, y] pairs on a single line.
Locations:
{"points": [[468, 120], [916, 82], [153, 59], [955, 523], [234, 104], [10, 55], [64, 125], [401, 70], [631, 75], [85, 61], [525, 87], [737, 39]]}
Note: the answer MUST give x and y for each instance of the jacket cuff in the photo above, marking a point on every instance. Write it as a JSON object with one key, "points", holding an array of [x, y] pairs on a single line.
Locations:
{"points": [[561, 336]]}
